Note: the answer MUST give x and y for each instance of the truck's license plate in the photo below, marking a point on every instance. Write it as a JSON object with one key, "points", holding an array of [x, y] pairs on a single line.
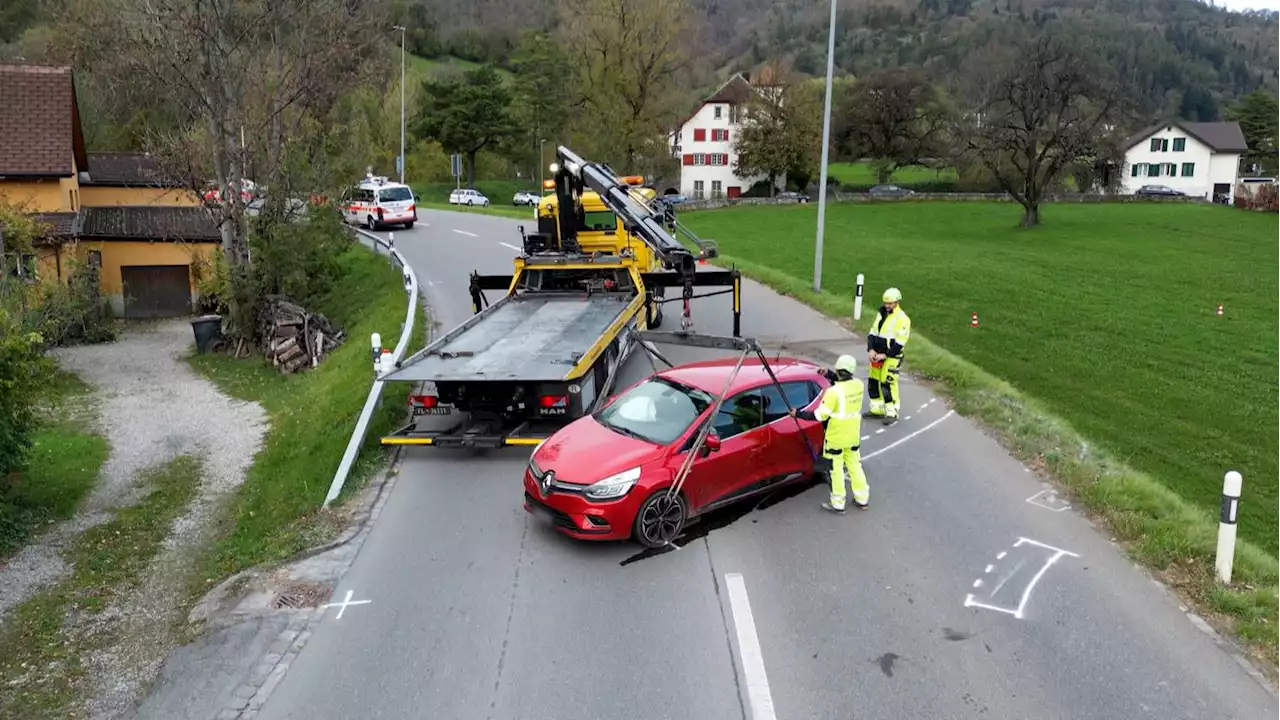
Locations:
{"points": [[432, 411]]}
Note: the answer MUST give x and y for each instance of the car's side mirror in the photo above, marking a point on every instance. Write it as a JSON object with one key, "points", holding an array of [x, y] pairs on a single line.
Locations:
{"points": [[417, 197], [711, 444]]}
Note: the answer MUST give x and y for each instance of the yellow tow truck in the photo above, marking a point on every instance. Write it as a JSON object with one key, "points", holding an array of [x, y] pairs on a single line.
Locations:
{"points": [[591, 277]]}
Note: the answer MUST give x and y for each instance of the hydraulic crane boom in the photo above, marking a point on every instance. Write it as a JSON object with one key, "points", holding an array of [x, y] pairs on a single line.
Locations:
{"points": [[573, 175]]}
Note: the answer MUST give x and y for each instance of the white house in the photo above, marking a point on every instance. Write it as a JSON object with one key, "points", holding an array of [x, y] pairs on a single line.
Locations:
{"points": [[1199, 159], [705, 144]]}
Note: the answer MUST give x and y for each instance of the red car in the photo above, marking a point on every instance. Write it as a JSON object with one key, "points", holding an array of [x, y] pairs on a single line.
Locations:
{"points": [[606, 476]]}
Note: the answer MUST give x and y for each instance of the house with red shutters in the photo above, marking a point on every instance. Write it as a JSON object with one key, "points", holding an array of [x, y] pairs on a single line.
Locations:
{"points": [[705, 143]]}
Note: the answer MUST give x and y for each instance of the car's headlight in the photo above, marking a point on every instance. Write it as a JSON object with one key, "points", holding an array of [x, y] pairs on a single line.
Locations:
{"points": [[614, 486]]}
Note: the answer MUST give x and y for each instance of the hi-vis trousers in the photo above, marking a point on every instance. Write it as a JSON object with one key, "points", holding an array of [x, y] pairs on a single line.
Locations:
{"points": [[882, 388], [841, 459]]}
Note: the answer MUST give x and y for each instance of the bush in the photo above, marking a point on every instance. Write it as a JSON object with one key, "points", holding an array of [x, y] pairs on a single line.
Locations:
{"points": [[75, 312], [23, 372]]}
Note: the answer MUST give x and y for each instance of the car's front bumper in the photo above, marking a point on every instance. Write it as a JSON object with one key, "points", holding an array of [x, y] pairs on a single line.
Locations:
{"points": [[574, 515]]}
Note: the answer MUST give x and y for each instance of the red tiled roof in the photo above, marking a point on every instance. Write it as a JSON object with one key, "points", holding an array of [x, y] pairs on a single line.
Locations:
{"points": [[39, 121]]}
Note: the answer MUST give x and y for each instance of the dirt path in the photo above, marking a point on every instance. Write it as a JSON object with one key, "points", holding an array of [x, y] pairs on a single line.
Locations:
{"points": [[153, 408]]}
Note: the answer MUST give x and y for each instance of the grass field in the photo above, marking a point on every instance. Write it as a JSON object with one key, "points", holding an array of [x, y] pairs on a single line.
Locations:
{"points": [[312, 414], [860, 173], [1106, 314], [63, 465]]}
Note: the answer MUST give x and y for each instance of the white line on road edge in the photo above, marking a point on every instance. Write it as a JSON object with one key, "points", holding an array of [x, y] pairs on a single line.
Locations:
{"points": [[749, 647], [895, 444], [464, 232], [513, 247]]}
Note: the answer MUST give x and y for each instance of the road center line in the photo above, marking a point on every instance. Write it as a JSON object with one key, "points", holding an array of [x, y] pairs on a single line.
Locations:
{"points": [[892, 445], [464, 232], [749, 648], [513, 247]]}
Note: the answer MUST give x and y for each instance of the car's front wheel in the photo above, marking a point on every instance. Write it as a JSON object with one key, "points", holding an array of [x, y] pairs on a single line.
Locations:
{"points": [[660, 519]]}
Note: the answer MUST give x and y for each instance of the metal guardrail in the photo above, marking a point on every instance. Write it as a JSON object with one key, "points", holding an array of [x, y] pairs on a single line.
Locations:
{"points": [[371, 403]]}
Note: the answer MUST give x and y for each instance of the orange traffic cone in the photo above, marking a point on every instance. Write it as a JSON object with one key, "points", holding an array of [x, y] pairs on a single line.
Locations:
{"points": [[974, 322], [1219, 309]]}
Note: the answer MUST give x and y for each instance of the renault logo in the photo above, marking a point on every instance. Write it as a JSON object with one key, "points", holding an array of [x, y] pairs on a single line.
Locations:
{"points": [[546, 481]]}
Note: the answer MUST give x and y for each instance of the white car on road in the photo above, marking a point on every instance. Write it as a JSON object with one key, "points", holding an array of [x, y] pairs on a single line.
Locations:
{"points": [[525, 197], [467, 196]]}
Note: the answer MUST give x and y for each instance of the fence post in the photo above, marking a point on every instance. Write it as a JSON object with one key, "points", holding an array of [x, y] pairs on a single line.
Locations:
{"points": [[1230, 513]]}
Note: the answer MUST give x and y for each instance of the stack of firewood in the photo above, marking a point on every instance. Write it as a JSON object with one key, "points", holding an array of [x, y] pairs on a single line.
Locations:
{"points": [[293, 338]]}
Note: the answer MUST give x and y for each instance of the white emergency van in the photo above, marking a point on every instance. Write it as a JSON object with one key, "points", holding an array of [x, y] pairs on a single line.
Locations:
{"points": [[376, 202]]}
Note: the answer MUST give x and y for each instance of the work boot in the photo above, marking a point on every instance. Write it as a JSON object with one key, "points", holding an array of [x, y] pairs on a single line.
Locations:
{"points": [[862, 506], [890, 420], [872, 414], [832, 508]]}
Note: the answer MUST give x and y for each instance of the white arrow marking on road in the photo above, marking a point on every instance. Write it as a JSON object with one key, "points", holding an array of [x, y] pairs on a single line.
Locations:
{"points": [[513, 247], [342, 606], [464, 232], [749, 647]]}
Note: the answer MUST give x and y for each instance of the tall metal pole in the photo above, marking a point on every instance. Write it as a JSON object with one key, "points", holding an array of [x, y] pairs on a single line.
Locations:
{"points": [[402, 158], [826, 142]]}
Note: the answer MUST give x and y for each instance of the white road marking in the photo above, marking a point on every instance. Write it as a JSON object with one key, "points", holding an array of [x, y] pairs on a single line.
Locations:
{"points": [[895, 444], [880, 431], [933, 400], [749, 646], [989, 568], [342, 606], [1026, 592], [977, 583], [908, 417], [924, 406], [1052, 496], [464, 232], [513, 247], [1002, 554]]}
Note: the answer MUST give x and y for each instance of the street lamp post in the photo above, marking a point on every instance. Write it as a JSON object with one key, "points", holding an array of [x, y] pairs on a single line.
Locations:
{"points": [[402, 160], [542, 166], [826, 141]]}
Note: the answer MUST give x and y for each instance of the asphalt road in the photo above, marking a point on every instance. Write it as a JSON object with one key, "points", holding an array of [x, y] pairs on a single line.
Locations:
{"points": [[954, 596]]}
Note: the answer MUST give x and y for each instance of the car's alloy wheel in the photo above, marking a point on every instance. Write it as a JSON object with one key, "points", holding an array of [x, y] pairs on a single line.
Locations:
{"points": [[660, 519]]}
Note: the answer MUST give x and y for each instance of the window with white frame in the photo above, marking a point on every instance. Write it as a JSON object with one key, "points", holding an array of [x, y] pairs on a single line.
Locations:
{"points": [[716, 110], [698, 189], [715, 189]]}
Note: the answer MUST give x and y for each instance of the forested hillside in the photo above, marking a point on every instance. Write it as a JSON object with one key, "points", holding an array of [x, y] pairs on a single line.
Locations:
{"points": [[1187, 57]]}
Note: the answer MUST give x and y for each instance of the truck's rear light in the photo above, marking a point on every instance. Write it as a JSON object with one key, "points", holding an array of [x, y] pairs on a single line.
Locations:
{"points": [[426, 401], [551, 401]]}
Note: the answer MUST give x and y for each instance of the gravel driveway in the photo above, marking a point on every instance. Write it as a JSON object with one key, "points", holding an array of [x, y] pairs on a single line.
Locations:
{"points": [[152, 408]]}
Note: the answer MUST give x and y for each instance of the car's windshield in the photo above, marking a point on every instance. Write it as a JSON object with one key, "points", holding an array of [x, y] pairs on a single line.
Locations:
{"points": [[657, 410], [396, 194]]}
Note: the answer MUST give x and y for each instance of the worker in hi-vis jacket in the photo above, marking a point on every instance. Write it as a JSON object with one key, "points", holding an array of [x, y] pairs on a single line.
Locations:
{"points": [[840, 407], [885, 345]]}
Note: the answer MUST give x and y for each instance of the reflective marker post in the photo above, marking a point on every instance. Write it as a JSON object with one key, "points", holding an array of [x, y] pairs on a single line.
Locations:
{"points": [[1231, 486], [857, 300]]}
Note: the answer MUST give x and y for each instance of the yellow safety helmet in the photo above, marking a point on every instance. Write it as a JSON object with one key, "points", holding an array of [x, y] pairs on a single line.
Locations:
{"points": [[847, 363], [892, 295]]}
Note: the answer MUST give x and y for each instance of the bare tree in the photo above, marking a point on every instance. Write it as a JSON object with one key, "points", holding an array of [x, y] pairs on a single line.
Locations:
{"points": [[246, 78], [1042, 107], [628, 56], [895, 117]]}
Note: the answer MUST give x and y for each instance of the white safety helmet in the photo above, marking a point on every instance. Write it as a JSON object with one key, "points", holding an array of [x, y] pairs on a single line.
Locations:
{"points": [[847, 363], [892, 295]]}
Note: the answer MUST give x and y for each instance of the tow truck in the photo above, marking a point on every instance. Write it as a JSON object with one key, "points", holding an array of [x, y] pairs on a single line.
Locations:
{"points": [[586, 283]]}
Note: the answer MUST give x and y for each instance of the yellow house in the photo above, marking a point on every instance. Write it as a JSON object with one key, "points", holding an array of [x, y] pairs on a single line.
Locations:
{"points": [[117, 211]]}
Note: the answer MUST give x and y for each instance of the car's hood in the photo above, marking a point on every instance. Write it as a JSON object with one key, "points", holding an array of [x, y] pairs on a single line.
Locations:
{"points": [[585, 452]]}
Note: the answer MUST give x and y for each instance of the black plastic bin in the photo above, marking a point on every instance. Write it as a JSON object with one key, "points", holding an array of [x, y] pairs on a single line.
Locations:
{"points": [[208, 330]]}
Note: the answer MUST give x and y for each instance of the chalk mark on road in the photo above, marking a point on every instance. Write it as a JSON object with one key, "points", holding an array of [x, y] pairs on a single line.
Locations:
{"points": [[342, 606], [1049, 500], [1021, 559], [464, 232], [749, 649]]}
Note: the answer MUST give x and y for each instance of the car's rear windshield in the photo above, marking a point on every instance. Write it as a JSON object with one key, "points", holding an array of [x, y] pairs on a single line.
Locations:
{"points": [[657, 410], [398, 194]]}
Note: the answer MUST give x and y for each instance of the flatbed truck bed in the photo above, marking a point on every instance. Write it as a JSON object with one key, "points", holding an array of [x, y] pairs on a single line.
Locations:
{"points": [[534, 338]]}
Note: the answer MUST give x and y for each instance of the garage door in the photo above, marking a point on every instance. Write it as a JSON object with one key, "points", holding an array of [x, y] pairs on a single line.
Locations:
{"points": [[156, 291]]}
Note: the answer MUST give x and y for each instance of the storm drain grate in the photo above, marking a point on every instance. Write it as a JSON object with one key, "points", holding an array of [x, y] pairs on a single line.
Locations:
{"points": [[301, 596]]}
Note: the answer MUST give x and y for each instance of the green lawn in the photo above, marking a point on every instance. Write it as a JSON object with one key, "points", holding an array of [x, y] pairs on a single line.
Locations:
{"points": [[312, 415], [860, 173], [1106, 314], [438, 67], [63, 465]]}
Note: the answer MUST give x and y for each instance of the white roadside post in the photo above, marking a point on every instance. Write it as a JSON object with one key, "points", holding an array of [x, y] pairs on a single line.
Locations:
{"points": [[857, 299], [376, 340], [1230, 513]]}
